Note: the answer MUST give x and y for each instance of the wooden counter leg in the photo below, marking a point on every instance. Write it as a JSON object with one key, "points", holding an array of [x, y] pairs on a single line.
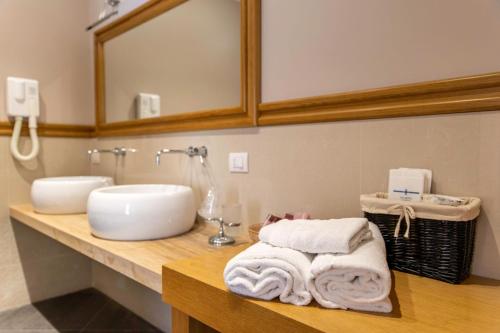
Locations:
{"points": [[180, 321]]}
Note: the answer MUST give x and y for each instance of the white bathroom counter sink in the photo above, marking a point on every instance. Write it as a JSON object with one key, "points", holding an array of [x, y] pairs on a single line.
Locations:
{"points": [[141, 261], [141, 212], [65, 195]]}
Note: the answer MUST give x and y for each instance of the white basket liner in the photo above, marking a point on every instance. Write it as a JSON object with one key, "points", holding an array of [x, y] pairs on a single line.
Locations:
{"points": [[377, 203]]}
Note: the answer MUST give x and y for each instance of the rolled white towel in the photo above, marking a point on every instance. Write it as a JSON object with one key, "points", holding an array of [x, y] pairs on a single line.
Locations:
{"points": [[266, 272], [360, 280], [317, 236]]}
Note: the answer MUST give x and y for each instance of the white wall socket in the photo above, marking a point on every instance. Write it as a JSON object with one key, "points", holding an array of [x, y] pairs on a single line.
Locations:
{"points": [[238, 162]]}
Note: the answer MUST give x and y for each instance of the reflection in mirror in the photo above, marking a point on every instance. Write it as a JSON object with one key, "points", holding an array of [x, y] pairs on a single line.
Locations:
{"points": [[184, 60]]}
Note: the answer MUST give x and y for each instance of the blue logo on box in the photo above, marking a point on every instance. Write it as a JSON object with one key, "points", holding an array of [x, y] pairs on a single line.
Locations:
{"points": [[406, 192]]}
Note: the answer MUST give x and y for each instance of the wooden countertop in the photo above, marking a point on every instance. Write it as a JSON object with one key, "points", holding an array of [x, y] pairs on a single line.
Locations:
{"points": [[139, 260], [195, 287]]}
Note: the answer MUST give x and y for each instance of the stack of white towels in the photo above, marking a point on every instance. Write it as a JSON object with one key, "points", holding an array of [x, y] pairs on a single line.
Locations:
{"points": [[341, 263]]}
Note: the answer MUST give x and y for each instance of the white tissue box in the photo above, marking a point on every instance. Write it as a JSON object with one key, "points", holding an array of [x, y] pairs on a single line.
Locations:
{"points": [[406, 184], [427, 176]]}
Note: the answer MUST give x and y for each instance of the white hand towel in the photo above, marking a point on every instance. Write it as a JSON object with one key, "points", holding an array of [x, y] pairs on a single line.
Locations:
{"points": [[360, 280], [317, 236], [266, 272]]}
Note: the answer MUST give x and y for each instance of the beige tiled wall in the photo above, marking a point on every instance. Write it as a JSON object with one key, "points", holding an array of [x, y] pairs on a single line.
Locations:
{"points": [[33, 266], [323, 168]]}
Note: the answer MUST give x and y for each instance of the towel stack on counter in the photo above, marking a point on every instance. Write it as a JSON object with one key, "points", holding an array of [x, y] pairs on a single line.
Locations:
{"points": [[341, 263]]}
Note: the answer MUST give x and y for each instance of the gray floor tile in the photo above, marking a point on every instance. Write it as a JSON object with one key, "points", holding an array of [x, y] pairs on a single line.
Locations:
{"points": [[84, 311], [73, 311], [24, 318], [115, 318]]}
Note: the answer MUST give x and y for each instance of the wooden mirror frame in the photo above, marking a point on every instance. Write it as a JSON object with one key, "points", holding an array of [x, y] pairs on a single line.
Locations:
{"points": [[456, 95], [241, 116]]}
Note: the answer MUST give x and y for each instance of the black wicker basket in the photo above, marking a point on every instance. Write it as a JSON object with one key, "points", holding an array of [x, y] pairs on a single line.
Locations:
{"points": [[440, 250]]}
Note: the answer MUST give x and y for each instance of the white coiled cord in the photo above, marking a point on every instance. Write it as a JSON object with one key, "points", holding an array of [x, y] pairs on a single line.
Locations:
{"points": [[16, 133]]}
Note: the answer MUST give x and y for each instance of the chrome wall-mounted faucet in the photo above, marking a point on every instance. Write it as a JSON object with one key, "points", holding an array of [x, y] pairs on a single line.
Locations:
{"points": [[117, 151], [202, 152]]}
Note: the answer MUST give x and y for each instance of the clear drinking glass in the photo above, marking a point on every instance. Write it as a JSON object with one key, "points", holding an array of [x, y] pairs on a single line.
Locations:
{"points": [[231, 213], [211, 207], [232, 216]]}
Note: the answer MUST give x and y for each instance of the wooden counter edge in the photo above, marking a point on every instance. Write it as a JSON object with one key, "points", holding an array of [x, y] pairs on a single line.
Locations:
{"points": [[218, 308], [192, 288]]}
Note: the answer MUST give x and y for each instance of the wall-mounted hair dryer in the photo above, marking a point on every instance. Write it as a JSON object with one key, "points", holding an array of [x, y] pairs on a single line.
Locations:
{"points": [[22, 101]]}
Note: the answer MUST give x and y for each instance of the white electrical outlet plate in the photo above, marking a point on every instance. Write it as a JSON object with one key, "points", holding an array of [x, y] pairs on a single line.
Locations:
{"points": [[238, 162]]}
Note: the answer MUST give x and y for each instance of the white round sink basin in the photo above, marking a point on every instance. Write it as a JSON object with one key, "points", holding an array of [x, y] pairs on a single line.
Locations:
{"points": [[141, 212], [65, 195]]}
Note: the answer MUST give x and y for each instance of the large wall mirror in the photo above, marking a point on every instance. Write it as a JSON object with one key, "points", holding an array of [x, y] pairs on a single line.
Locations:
{"points": [[183, 65], [176, 65], [328, 60]]}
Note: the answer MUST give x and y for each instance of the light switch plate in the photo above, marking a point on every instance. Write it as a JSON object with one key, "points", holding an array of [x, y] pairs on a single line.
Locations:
{"points": [[238, 162], [147, 106]]}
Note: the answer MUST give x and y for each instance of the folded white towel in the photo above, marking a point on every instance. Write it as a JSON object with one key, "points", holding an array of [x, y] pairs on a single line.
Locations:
{"points": [[360, 280], [265, 272], [317, 236]]}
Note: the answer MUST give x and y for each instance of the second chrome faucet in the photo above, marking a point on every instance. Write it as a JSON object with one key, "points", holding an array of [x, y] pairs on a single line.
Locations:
{"points": [[117, 151], [202, 152]]}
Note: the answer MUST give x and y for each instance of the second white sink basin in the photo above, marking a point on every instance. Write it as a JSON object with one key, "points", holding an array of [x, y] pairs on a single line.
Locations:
{"points": [[65, 195], [141, 212]]}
